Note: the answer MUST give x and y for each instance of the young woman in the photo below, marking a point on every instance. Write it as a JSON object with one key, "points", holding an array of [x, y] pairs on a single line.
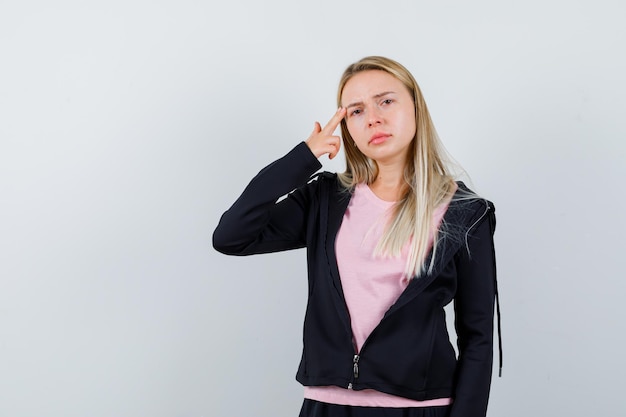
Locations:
{"points": [[390, 242]]}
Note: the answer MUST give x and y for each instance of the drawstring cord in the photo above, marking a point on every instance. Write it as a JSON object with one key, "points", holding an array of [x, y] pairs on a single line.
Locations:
{"points": [[492, 225], [499, 329]]}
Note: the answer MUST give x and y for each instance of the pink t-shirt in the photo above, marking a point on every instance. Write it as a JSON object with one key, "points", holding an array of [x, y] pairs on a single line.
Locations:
{"points": [[370, 285]]}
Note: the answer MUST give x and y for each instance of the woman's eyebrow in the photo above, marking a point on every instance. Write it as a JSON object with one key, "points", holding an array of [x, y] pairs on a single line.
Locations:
{"points": [[375, 96]]}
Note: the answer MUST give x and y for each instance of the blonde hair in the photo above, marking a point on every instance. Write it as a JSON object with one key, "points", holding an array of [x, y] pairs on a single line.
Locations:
{"points": [[428, 181]]}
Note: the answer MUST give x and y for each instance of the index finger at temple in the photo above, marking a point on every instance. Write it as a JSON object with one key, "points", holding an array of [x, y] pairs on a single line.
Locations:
{"points": [[335, 120]]}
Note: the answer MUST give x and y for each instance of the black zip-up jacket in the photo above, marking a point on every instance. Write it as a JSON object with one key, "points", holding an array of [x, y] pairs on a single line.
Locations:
{"points": [[409, 353]]}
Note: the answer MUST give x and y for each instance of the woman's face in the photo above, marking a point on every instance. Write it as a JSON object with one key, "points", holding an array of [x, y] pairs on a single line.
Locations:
{"points": [[380, 115]]}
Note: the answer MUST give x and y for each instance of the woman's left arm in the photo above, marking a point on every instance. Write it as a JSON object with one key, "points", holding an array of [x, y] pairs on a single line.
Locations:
{"points": [[474, 309]]}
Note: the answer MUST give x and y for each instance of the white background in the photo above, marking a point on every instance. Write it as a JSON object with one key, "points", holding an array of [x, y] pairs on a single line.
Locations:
{"points": [[128, 127]]}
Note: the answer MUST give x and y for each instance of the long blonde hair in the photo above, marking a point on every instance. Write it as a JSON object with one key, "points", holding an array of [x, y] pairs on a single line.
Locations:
{"points": [[429, 182]]}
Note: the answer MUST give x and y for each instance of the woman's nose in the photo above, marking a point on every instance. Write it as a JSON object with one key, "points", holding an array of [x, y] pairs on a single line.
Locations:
{"points": [[374, 117]]}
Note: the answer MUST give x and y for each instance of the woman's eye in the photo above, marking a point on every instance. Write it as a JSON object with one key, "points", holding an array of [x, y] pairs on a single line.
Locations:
{"points": [[356, 112], [387, 101]]}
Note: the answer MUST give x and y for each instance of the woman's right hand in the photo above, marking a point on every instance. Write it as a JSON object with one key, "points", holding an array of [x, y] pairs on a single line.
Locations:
{"points": [[323, 141]]}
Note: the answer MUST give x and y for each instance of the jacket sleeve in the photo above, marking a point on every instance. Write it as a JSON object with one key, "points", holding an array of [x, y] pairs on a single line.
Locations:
{"points": [[256, 222], [474, 309]]}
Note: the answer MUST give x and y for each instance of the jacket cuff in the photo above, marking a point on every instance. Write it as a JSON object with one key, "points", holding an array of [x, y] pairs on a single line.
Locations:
{"points": [[303, 153]]}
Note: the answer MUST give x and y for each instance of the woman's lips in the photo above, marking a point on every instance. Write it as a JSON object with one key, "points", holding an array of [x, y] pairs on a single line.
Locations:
{"points": [[378, 138]]}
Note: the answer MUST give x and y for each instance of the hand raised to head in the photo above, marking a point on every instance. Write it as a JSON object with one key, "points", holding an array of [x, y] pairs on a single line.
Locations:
{"points": [[323, 141]]}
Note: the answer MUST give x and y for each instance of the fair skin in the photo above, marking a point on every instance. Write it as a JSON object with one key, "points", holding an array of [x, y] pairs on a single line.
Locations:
{"points": [[380, 116]]}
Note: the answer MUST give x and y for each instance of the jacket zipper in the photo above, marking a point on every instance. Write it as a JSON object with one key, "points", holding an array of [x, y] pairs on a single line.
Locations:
{"points": [[358, 354], [355, 369]]}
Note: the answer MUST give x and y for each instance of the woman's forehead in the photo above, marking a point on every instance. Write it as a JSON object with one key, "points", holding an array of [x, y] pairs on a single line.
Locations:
{"points": [[370, 84]]}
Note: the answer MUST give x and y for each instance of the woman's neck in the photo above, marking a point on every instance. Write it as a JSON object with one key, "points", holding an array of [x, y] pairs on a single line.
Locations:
{"points": [[389, 184]]}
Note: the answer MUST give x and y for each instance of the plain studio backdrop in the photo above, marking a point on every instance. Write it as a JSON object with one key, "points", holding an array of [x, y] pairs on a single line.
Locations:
{"points": [[128, 127]]}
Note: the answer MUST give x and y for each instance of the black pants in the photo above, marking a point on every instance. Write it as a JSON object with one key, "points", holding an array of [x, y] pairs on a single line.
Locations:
{"points": [[312, 408]]}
